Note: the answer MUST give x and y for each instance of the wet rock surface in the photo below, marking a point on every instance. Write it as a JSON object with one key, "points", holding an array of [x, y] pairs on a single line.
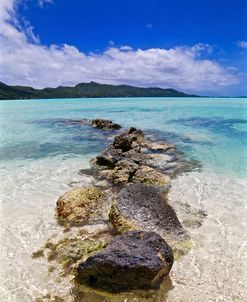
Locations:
{"points": [[134, 260]]}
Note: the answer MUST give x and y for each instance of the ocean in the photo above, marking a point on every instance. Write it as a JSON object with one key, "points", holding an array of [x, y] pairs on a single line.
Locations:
{"points": [[40, 155]]}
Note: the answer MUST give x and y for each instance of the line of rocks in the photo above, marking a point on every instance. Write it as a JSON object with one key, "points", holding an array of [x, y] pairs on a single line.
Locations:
{"points": [[129, 194]]}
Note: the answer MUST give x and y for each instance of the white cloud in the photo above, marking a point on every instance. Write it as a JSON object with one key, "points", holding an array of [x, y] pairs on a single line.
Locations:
{"points": [[242, 44], [26, 62], [44, 2]]}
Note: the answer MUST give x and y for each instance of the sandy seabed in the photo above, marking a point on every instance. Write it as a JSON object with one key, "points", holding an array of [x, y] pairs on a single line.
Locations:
{"points": [[214, 270]]}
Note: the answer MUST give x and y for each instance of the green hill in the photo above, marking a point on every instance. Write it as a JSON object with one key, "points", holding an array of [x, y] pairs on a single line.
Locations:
{"points": [[84, 90]]}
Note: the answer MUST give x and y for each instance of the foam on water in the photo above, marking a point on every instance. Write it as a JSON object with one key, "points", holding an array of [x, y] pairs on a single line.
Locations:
{"points": [[39, 157]]}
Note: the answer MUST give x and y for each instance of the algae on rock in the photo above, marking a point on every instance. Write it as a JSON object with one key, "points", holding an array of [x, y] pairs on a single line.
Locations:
{"points": [[81, 206], [119, 222]]}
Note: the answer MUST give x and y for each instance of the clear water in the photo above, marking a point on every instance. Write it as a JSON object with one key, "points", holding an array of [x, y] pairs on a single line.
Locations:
{"points": [[39, 157], [211, 130]]}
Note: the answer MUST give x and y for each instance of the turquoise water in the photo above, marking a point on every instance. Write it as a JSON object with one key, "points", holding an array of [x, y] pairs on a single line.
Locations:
{"points": [[212, 130]]}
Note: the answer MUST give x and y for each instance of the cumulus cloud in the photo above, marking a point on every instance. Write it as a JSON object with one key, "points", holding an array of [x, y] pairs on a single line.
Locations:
{"points": [[25, 61], [242, 44]]}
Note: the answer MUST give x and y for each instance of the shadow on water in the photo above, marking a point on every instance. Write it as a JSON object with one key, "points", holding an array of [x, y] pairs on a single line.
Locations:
{"points": [[85, 294], [182, 141], [73, 137], [69, 137], [227, 127]]}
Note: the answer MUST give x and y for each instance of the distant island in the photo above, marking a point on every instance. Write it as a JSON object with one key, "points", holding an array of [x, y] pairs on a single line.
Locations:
{"points": [[85, 90]]}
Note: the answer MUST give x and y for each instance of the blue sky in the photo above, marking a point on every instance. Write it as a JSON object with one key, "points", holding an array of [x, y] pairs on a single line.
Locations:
{"points": [[194, 46]]}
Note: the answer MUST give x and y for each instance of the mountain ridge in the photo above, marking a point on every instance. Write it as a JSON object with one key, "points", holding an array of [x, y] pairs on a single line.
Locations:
{"points": [[85, 90]]}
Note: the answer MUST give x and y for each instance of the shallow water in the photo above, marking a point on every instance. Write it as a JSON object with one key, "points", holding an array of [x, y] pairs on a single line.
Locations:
{"points": [[40, 155]]}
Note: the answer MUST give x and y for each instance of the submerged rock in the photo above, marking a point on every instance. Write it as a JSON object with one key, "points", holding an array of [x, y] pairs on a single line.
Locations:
{"points": [[82, 205], [105, 124], [160, 146], [68, 251], [134, 260]]}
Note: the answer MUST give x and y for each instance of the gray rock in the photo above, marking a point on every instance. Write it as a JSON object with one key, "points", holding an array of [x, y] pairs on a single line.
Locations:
{"points": [[146, 207]]}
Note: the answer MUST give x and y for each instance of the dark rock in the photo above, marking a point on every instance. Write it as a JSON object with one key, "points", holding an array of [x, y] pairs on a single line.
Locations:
{"points": [[109, 158], [105, 124], [128, 140], [133, 130], [134, 260]]}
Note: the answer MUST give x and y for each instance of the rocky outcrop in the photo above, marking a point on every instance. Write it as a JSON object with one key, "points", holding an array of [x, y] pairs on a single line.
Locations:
{"points": [[134, 260], [129, 196], [105, 124], [82, 206]]}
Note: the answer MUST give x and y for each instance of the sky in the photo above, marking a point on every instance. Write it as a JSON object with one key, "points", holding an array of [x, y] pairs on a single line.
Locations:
{"points": [[195, 46]]}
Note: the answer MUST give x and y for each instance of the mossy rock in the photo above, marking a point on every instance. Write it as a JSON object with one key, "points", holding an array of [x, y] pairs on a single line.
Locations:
{"points": [[122, 173], [148, 175], [81, 206]]}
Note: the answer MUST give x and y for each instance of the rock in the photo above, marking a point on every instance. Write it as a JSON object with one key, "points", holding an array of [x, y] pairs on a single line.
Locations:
{"points": [[122, 173], [134, 260], [128, 140], [160, 146], [120, 223], [105, 124], [68, 251], [137, 157], [82, 205], [108, 158], [146, 206], [148, 175]]}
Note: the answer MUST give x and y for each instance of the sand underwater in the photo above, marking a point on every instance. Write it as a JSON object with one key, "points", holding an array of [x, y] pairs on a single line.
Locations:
{"points": [[40, 159]]}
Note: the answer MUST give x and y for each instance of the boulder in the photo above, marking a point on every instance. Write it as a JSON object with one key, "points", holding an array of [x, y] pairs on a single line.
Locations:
{"points": [[148, 175], [134, 260], [145, 207], [105, 124], [82, 206]]}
